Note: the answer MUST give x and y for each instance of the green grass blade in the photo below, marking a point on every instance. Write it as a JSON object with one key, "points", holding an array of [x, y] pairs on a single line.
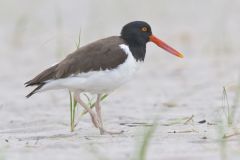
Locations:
{"points": [[144, 146], [77, 43], [71, 112], [73, 102]]}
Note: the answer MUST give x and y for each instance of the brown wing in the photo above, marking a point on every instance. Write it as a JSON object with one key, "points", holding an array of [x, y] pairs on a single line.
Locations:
{"points": [[100, 55]]}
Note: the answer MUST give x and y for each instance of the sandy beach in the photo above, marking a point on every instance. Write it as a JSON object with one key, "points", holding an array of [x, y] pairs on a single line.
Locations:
{"points": [[186, 96]]}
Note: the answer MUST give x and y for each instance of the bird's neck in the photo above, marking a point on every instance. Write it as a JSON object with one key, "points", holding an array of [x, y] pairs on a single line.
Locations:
{"points": [[138, 48], [138, 52]]}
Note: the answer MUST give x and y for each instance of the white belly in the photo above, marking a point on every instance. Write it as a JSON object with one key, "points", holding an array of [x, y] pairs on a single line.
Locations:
{"points": [[102, 81]]}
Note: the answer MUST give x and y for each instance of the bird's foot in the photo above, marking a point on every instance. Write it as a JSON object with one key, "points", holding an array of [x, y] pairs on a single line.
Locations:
{"points": [[104, 131]]}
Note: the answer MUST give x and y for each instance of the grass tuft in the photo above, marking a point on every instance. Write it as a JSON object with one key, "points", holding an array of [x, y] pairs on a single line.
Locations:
{"points": [[73, 105], [228, 122], [73, 102]]}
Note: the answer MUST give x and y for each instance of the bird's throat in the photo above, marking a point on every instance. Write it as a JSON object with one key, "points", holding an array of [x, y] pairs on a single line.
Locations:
{"points": [[138, 52]]}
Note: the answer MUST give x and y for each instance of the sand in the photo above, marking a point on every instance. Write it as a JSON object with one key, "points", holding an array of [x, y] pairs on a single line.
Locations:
{"points": [[178, 92]]}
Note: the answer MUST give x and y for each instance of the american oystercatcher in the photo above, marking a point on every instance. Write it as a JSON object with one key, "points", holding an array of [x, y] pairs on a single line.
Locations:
{"points": [[100, 67]]}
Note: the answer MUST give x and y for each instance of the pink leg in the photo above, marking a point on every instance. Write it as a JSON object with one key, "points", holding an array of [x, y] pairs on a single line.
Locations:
{"points": [[98, 111], [92, 114]]}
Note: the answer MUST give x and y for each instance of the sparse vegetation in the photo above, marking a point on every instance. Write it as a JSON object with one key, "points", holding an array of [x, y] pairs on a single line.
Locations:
{"points": [[73, 102], [227, 124]]}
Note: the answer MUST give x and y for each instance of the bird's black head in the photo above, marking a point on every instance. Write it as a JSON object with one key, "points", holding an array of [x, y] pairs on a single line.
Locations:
{"points": [[136, 33]]}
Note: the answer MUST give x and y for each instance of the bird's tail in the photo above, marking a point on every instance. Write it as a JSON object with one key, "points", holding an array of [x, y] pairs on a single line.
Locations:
{"points": [[35, 90], [40, 79]]}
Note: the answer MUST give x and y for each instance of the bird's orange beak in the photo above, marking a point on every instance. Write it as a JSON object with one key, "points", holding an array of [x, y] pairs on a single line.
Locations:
{"points": [[164, 46]]}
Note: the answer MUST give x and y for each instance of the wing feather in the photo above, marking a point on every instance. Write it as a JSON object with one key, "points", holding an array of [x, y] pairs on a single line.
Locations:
{"points": [[100, 55]]}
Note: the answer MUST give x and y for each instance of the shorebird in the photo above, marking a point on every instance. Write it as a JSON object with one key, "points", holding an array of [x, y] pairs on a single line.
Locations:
{"points": [[100, 67]]}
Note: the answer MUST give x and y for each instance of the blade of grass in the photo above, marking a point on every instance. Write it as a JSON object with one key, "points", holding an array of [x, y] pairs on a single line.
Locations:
{"points": [[175, 121], [226, 106], [71, 113], [77, 43], [74, 113], [146, 140], [73, 102], [73, 105]]}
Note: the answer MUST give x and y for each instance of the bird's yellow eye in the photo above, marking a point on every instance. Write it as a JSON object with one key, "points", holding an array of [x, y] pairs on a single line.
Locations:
{"points": [[144, 29]]}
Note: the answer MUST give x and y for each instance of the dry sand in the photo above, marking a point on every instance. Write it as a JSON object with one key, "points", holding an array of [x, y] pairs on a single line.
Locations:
{"points": [[33, 35]]}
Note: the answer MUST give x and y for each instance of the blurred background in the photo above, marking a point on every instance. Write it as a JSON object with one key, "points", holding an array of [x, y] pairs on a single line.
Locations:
{"points": [[42, 32], [35, 34], [198, 27]]}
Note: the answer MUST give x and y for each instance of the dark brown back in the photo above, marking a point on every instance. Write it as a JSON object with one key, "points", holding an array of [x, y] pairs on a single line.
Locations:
{"points": [[99, 55]]}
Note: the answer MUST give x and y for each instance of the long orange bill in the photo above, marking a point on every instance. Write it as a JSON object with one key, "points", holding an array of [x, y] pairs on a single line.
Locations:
{"points": [[164, 46]]}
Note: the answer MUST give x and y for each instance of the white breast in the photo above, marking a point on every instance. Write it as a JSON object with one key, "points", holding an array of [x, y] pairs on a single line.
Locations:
{"points": [[102, 81]]}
